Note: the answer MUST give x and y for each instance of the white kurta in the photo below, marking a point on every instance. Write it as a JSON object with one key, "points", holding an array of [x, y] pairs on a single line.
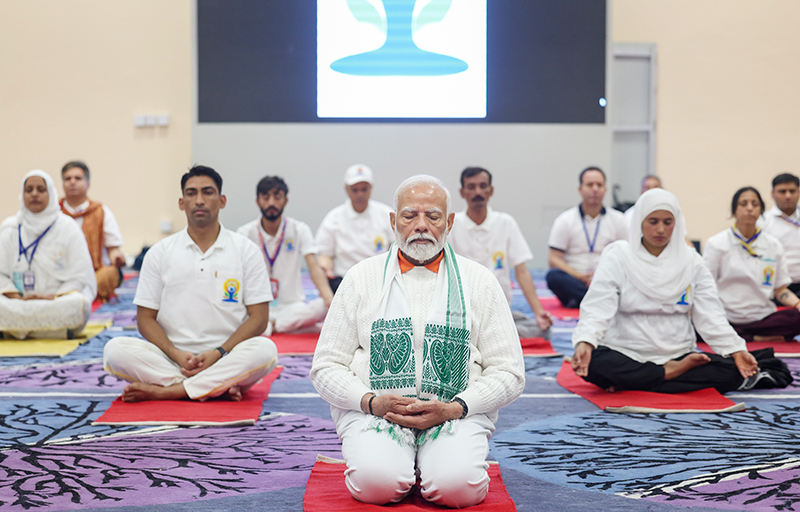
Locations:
{"points": [[340, 371], [788, 234], [617, 315], [746, 284], [497, 244], [568, 235], [349, 237], [112, 235]]}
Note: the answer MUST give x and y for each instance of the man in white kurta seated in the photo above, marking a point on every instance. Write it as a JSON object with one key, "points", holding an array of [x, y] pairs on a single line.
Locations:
{"points": [[578, 237], [47, 283], [203, 300], [494, 240], [355, 230], [417, 355], [99, 226], [783, 222], [286, 242]]}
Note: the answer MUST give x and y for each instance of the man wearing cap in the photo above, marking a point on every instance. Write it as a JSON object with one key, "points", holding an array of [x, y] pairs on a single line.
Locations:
{"points": [[355, 230]]}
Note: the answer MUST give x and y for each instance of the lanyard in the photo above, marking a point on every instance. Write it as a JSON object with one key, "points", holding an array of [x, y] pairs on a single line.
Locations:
{"points": [[746, 244], [34, 244], [271, 259], [790, 221], [586, 232]]}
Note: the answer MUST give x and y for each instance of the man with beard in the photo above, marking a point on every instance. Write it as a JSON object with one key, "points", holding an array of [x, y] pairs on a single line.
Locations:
{"points": [[578, 236], [494, 240], [203, 301], [283, 241], [417, 355], [783, 222]]}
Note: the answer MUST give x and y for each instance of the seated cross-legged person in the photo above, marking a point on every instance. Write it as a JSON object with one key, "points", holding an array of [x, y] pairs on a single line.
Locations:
{"points": [[284, 243], [47, 282], [638, 319], [750, 268], [578, 237], [203, 300]]}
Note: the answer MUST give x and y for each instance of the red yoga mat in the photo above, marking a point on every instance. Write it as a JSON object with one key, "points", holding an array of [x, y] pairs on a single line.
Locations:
{"points": [[553, 306], [327, 492], [537, 347], [296, 344], [782, 348], [703, 400], [213, 412]]}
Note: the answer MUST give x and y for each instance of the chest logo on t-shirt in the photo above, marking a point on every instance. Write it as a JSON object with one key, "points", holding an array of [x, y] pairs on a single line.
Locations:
{"points": [[497, 260], [380, 243], [289, 244], [683, 301], [769, 273], [231, 291]]}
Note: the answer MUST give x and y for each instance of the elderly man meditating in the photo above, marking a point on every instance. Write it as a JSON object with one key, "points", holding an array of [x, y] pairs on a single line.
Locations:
{"points": [[418, 353]]}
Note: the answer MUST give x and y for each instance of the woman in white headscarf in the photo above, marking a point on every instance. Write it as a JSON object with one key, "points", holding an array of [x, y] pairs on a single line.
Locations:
{"points": [[647, 297], [47, 281], [750, 269]]}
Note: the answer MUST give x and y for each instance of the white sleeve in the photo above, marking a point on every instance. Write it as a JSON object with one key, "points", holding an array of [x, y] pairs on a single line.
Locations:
{"points": [[601, 303], [518, 250], [326, 236], [559, 234], [712, 256], [782, 277], [708, 316], [305, 240], [8, 246], [256, 284], [111, 232], [150, 286], [82, 276]]}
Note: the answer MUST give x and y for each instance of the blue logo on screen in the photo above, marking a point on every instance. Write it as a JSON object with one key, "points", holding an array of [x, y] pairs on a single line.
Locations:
{"points": [[399, 55]]}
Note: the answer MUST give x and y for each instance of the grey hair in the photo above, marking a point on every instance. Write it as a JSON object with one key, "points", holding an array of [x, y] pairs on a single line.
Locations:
{"points": [[421, 179]]}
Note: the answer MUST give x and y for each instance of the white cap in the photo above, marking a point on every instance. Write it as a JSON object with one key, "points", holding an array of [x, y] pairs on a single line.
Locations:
{"points": [[357, 174]]}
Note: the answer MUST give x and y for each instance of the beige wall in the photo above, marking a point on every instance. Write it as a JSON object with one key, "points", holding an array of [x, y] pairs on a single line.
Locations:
{"points": [[73, 76], [728, 102]]}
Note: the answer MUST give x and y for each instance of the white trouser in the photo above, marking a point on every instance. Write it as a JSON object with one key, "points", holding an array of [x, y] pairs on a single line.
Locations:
{"points": [[452, 467], [295, 316], [44, 318], [137, 360]]}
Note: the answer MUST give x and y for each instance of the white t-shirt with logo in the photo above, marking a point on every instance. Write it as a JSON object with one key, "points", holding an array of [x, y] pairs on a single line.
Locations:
{"points": [[582, 243], [296, 242], [787, 231], [201, 298]]}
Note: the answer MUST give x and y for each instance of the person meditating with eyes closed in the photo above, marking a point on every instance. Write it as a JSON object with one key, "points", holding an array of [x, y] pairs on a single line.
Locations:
{"points": [[647, 297]]}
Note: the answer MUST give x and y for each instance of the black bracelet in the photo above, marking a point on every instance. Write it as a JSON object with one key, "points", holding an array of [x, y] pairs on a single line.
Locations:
{"points": [[370, 404], [222, 352], [463, 405]]}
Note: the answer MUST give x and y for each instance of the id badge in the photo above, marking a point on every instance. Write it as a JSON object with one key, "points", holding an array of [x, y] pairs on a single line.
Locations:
{"points": [[28, 280], [273, 283]]}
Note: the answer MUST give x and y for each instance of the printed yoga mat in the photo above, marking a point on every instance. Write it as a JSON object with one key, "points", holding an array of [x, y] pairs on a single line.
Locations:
{"points": [[703, 400], [213, 412]]}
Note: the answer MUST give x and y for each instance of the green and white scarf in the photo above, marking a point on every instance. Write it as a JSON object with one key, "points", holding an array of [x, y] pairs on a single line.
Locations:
{"points": [[446, 349]]}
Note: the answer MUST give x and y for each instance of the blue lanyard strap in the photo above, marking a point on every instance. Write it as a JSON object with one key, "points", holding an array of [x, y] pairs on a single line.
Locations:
{"points": [[789, 220], [271, 259], [591, 243], [34, 244]]}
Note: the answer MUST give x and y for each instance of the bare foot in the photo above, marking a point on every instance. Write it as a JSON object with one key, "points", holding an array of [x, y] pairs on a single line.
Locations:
{"points": [[139, 392], [768, 338], [611, 389], [235, 394], [675, 368]]}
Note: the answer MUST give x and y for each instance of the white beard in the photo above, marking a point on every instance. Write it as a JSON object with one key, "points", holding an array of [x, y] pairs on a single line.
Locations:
{"points": [[420, 252]]}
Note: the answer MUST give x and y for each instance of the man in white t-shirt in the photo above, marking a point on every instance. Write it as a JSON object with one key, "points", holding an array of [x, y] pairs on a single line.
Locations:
{"points": [[578, 236], [203, 301], [355, 230], [284, 243], [494, 240], [99, 226], [783, 222]]}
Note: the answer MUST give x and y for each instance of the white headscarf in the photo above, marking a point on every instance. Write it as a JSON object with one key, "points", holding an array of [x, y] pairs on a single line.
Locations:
{"points": [[669, 274], [34, 224]]}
